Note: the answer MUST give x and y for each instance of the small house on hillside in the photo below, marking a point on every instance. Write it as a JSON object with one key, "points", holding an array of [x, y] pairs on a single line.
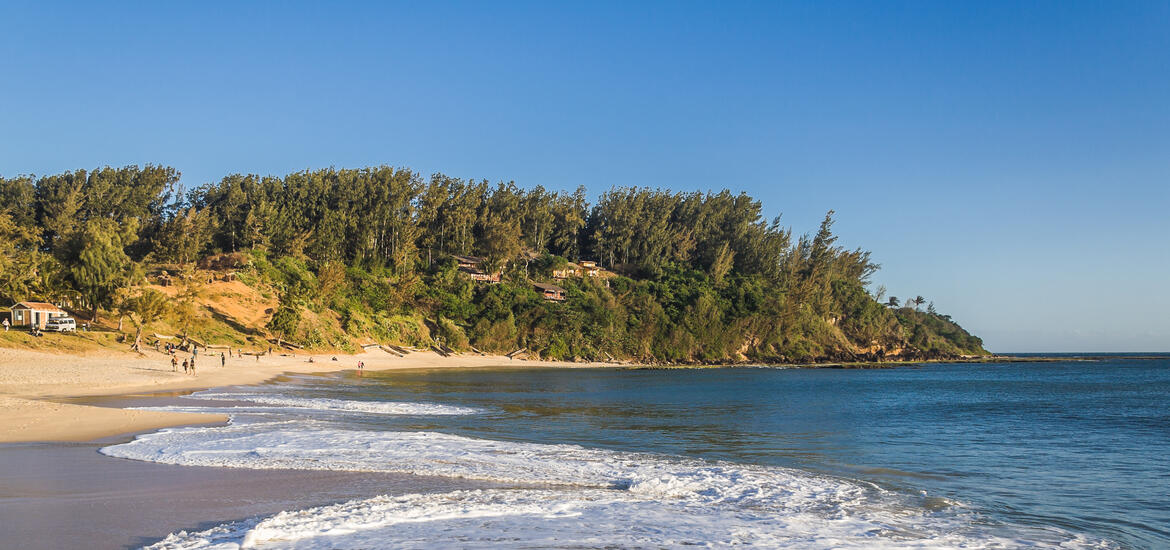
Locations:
{"points": [[468, 261], [591, 268], [550, 292], [472, 267], [29, 314], [569, 270]]}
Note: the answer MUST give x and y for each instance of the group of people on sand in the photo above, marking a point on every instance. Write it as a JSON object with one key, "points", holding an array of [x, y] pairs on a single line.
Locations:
{"points": [[188, 365]]}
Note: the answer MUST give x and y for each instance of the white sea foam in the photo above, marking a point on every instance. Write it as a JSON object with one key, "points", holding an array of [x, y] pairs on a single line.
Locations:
{"points": [[327, 404], [591, 497], [590, 518]]}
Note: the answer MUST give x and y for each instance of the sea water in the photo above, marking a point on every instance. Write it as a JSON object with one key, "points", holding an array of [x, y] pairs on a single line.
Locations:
{"points": [[1071, 454]]}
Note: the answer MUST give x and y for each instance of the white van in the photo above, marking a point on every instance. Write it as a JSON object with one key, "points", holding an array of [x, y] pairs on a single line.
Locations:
{"points": [[61, 324]]}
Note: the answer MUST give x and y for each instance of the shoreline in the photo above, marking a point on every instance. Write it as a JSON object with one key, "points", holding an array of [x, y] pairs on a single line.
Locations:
{"points": [[37, 389], [900, 364]]}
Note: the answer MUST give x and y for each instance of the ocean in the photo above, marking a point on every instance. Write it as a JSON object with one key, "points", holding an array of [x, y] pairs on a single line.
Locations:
{"points": [[1068, 454]]}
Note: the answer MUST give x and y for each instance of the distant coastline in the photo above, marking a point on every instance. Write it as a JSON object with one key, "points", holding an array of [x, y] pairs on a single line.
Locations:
{"points": [[1005, 358]]}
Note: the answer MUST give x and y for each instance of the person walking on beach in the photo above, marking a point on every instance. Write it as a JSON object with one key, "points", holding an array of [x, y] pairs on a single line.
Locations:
{"points": [[222, 360], [192, 366], [174, 364], [184, 366], [361, 367]]}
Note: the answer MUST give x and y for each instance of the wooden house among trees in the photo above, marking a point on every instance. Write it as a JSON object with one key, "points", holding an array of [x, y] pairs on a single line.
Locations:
{"points": [[570, 269], [592, 269], [472, 267], [550, 292]]}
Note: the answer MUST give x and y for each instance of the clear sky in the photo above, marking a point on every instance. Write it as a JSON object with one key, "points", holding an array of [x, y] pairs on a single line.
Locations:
{"points": [[1009, 161]]}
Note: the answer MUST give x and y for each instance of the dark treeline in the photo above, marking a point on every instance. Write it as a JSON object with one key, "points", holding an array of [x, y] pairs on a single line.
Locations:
{"points": [[700, 276]]}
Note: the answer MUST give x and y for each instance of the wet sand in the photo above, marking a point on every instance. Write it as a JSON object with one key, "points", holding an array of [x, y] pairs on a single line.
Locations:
{"points": [[66, 495]]}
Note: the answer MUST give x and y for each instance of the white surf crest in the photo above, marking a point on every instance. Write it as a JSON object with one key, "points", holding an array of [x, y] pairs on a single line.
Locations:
{"points": [[591, 497], [588, 518], [336, 405]]}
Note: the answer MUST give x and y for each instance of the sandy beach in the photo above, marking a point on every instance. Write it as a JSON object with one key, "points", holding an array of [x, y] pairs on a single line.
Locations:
{"points": [[34, 385], [60, 493]]}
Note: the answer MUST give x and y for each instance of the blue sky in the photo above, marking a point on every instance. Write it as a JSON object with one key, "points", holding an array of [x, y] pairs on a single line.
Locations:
{"points": [[1009, 161]]}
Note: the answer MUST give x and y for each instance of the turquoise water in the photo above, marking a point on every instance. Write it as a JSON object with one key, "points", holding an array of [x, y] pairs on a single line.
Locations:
{"points": [[1069, 454], [1081, 445]]}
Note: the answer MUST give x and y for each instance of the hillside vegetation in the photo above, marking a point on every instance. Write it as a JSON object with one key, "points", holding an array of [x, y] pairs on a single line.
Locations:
{"points": [[331, 259]]}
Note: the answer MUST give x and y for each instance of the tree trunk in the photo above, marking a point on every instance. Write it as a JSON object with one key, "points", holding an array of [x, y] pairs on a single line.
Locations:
{"points": [[120, 319], [137, 338]]}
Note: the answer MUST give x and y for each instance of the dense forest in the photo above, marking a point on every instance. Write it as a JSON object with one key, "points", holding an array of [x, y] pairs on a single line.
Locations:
{"points": [[377, 255]]}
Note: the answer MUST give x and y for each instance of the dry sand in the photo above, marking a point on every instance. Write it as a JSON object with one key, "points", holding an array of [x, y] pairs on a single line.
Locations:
{"points": [[33, 384]]}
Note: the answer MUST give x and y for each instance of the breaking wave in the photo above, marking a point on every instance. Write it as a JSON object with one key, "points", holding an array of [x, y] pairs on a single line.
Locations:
{"points": [[558, 495]]}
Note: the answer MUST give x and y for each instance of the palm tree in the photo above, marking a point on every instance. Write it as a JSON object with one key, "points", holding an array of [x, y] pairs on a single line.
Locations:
{"points": [[918, 301]]}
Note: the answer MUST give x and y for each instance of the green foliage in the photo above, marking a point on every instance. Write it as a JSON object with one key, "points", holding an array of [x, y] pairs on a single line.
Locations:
{"points": [[450, 334], [100, 266], [358, 254], [286, 318], [931, 332], [145, 309], [25, 271]]}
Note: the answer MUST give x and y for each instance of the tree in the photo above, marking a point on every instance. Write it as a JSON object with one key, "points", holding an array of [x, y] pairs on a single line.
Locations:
{"points": [[500, 242], [183, 237], [123, 306], [101, 266], [918, 301], [19, 258], [145, 309], [287, 317], [187, 305], [330, 278], [724, 260], [893, 301]]}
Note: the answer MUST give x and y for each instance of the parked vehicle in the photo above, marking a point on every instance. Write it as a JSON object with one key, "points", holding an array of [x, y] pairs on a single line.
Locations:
{"points": [[61, 324]]}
